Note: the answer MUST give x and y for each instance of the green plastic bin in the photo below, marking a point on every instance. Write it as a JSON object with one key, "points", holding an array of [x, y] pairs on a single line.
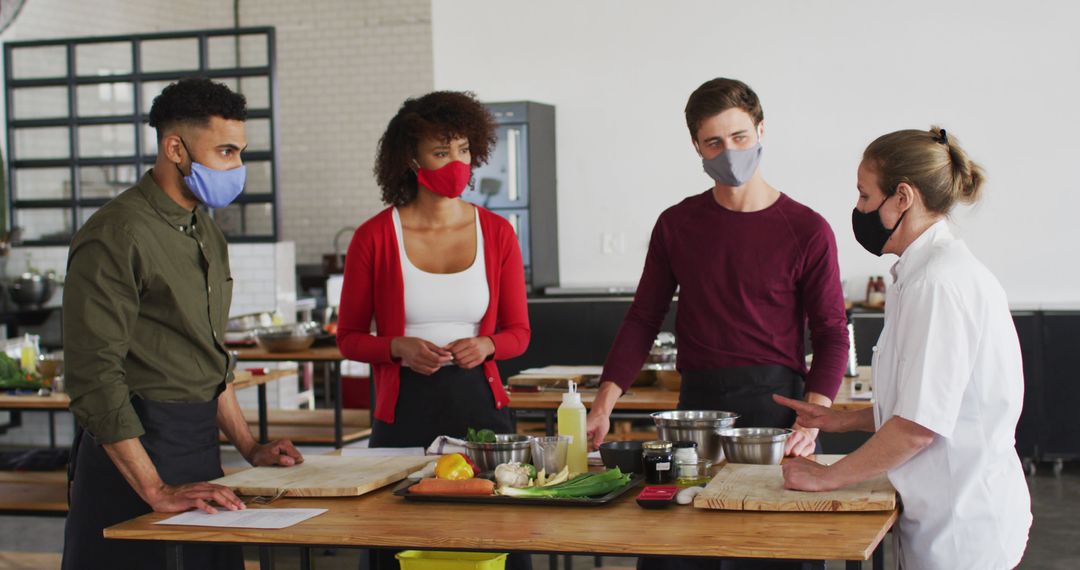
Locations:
{"points": [[440, 560]]}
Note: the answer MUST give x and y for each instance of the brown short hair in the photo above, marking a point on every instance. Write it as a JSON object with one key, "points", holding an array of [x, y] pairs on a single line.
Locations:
{"points": [[442, 114], [930, 161], [718, 95]]}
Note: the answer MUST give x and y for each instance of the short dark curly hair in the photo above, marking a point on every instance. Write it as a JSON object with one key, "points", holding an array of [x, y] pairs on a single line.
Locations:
{"points": [[443, 114], [193, 101]]}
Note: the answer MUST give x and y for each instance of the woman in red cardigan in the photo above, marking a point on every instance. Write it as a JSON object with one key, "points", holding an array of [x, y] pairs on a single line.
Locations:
{"points": [[434, 288]]}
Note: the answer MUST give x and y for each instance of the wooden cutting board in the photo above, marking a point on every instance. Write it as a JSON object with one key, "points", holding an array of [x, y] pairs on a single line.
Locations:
{"points": [[324, 476], [741, 487]]}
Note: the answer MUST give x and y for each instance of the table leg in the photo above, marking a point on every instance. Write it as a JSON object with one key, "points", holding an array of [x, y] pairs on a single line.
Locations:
{"points": [[337, 405], [266, 558], [305, 558], [264, 431], [52, 429], [853, 565], [879, 557], [553, 562], [174, 556], [326, 383]]}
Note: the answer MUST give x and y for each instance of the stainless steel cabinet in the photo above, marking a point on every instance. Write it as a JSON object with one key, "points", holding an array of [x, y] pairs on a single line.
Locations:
{"points": [[518, 183]]}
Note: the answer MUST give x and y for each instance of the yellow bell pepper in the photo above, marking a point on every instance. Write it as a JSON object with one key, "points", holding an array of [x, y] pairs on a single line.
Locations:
{"points": [[453, 466]]}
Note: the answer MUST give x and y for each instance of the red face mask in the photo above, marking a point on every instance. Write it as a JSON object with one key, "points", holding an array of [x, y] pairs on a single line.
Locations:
{"points": [[449, 181]]}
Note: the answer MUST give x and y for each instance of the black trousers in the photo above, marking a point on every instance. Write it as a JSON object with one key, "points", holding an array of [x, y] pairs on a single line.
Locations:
{"points": [[448, 402], [182, 441], [747, 391]]}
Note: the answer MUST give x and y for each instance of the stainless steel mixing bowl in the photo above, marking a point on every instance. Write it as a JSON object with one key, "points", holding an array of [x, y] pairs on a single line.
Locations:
{"points": [[702, 426], [762, 446]]}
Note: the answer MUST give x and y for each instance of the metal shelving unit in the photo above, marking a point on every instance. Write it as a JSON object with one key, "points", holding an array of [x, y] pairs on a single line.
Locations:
{"points": [[77, 133]]}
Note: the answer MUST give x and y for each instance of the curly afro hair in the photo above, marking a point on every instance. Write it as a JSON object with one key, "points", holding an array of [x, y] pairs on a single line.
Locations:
{"points": [[442, 114], [193, 101]]}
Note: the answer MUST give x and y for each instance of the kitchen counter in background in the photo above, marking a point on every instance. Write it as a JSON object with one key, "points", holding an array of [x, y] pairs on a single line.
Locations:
{"points": [[579, 330]]}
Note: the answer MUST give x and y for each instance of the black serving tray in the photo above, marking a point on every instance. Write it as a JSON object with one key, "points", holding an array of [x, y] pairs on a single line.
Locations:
{"points": [[402, 490]]}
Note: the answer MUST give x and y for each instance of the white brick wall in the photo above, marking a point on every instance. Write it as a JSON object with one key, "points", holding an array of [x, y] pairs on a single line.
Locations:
{"points": [[344, 67]]}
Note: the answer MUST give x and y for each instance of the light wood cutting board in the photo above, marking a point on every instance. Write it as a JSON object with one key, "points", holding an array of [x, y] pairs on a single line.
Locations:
{"points": [[324, 476], [741, 487]]}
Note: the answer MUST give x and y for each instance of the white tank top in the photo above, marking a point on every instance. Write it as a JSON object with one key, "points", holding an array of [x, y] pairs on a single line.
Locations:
{"points": [[443, 307]]}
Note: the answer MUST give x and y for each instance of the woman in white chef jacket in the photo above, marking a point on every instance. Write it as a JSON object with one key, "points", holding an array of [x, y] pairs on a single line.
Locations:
{"points": [[947, 376]]}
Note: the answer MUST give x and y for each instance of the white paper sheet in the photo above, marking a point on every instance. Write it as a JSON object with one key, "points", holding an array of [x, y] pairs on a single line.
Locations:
{"points": [[565, 370], [380, 451], [247, 518]]}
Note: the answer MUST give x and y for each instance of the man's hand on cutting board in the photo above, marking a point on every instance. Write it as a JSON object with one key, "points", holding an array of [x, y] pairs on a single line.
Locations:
{"points": [[279, 452]]}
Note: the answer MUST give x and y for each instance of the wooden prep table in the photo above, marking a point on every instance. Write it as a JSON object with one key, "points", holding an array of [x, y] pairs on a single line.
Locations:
{"points": [[622, 528], [60, 401], [649, 399], [329, 355]]}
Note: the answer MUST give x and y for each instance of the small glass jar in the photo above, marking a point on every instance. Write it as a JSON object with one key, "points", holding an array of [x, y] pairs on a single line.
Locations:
{"points": [[686, 460], [658, 459]]}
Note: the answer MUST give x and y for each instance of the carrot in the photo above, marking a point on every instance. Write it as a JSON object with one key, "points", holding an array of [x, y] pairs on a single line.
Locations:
{"points": [[433, 486]]}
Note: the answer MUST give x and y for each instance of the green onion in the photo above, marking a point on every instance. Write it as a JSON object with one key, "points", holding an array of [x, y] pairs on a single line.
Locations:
{"points": [[585, 485]]}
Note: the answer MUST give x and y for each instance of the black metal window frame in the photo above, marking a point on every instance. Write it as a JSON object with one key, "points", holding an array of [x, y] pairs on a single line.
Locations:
{"points": [[141, 160]]}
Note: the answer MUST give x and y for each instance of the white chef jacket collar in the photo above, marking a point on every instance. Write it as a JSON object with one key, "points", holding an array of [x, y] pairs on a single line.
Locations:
{"points": [[919, 250]]}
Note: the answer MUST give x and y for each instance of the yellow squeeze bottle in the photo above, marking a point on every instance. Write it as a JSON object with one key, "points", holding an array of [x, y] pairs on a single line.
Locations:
{"points": [[571, 417]]}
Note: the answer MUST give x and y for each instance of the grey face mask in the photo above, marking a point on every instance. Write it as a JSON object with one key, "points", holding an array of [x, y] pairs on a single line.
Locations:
{"points": [[733, 167]]}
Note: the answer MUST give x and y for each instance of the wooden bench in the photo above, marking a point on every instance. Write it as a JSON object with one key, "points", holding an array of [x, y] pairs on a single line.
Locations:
{"points": [[29, 560], [36, 493], [51, 561], [312, 427]]}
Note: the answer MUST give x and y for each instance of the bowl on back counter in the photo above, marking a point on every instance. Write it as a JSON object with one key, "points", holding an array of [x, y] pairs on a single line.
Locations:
{"points": [[287, 338]]}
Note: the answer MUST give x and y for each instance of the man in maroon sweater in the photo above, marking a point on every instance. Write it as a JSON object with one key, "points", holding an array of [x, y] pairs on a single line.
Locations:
{"points": [[753, 268]]}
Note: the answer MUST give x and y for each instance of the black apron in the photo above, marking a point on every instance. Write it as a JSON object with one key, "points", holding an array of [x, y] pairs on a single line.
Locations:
{"points": [[182, 441], [747, 391], [448, 402]]}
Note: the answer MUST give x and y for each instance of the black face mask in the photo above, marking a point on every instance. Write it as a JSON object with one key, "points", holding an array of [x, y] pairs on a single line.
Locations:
{"points": [[870, 232]]}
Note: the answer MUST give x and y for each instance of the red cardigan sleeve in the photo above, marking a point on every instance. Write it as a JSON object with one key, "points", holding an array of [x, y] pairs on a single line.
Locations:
{"points": [[354, 337], [512, 321]]}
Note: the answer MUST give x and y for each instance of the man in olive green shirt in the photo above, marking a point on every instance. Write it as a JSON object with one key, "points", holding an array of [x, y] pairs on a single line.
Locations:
{"points": [[146, 301]]}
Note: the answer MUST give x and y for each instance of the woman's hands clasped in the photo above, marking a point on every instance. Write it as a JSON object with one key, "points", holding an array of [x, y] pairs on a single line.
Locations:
{"points": [[427, 358]]}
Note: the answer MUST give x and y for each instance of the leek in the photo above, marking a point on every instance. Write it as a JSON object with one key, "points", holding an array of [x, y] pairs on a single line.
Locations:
{"points": [[585, 485]]}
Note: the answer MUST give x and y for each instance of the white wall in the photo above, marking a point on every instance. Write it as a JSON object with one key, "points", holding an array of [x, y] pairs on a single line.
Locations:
{"points": [[1002, 76]]}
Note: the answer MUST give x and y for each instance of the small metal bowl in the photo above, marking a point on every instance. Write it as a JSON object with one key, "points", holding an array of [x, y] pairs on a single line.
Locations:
{"points": [[287, 338], [507, 448], [761, 446]]}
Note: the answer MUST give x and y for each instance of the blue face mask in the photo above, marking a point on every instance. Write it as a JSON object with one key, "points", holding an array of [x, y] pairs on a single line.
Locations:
{"points": [[215, 188]]}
